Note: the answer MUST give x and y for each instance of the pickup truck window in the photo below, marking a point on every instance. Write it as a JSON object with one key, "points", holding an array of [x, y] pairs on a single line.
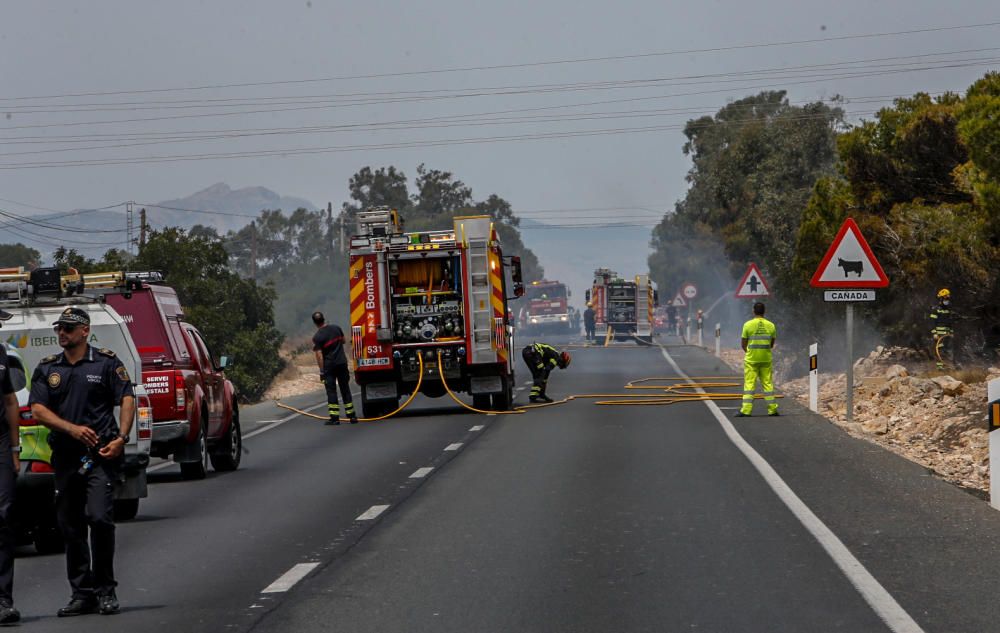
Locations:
{"points": [[200, 351], [203, 346]]}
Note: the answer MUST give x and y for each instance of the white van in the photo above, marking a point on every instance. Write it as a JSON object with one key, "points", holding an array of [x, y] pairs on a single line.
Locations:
{"points": [[30, 332]]}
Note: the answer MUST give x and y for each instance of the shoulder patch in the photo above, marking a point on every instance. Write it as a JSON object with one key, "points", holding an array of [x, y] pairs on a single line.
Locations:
{"points": [[123, 374], [48, 359], [106, 352]]}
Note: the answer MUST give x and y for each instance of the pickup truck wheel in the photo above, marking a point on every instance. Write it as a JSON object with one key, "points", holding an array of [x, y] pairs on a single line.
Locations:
{"points": [[48, 541], [198, 469], [126, 509], [227, 453]]}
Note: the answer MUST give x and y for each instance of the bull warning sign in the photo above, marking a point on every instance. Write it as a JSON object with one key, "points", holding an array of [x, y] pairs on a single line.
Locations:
{"points": [[849, 262]]}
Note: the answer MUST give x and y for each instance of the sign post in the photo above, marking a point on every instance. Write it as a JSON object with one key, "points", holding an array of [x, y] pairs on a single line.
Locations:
{"points": [[849, 265], [689, 291], [814, 377], [718, 340], [993, 415]]}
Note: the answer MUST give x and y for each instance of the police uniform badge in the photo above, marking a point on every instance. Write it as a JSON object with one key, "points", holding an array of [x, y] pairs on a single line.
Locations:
{"points": [[122, 373], [55, 380]]}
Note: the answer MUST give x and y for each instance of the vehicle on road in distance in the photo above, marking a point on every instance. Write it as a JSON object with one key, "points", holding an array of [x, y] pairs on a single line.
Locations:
{"points": [[546, 308], [196, 417], [417, 297], [624, 306], [36, 299]]}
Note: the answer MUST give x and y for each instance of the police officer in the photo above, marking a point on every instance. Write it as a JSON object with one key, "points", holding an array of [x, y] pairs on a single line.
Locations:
{"points": [[590, 321], [10, 464], [758, 339], [328, 345], [541, 360], [74, 394], [942, 327]]}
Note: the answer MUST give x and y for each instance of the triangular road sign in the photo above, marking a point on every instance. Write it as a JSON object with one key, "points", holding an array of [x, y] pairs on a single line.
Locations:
{"points": [[753, 284], [678, 301], [849, 263]]}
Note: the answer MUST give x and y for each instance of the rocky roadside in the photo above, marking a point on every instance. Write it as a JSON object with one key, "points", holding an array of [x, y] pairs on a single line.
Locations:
{"points": [[937, 421]]}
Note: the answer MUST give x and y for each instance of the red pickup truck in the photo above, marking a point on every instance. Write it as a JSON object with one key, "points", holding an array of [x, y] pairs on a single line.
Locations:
{"points": [[195, 413]]}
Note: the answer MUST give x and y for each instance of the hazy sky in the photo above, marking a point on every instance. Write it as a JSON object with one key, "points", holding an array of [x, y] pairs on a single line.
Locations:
{"points": [[59, 48]]}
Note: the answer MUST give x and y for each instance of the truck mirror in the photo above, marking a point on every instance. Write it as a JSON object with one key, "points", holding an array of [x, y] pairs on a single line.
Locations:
{"points": [[518, 289], [515, 272], [586, 295]]}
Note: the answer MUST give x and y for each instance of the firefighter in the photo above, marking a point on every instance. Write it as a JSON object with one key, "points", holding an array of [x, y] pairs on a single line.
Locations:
{"points": [[74, 394], [10, 450], [671, 322], [941, 327], [757, 340], [541, 360], [328, 345], [590, 321]]}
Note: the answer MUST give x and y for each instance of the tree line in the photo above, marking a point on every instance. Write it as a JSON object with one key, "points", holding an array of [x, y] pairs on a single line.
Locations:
{"points": [[772, 182]]}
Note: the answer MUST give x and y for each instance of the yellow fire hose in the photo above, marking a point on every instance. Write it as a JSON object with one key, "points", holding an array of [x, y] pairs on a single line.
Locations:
{"points": [[416, 390], [938, 344]]}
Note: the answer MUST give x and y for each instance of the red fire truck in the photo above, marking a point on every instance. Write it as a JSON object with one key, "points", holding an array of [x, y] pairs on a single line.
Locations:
{"points": [[424, 296], [624, 306], [547, 308]]}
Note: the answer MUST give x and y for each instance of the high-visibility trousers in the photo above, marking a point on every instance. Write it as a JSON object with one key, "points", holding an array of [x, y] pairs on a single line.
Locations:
{"points": [[751, 373]]}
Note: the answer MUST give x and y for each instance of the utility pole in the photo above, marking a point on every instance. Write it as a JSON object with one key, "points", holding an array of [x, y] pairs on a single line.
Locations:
{"points": [[253, 249], [342, 212], [143, 227], [129, 226], [329, 233]]}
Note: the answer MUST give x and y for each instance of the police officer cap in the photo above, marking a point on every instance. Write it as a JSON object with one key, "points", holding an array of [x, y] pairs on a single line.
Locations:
{"points": [[73, 316], [5, 316]]}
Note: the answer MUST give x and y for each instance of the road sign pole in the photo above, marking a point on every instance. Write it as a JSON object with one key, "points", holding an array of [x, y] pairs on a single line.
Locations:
{"points": [[850, 361], [718, 340], [993, 395], [814, 378]]}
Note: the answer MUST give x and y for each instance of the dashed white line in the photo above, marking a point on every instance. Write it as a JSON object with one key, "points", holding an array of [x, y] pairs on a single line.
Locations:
{"points": [[877, 597], [288, 579], [478, 427], [372, 513], [453, 447], [421, 472]]}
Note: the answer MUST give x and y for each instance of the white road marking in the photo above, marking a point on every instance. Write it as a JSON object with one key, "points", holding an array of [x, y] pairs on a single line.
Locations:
{"points": [[287, 580], [478, 427], [880, 600], [372, 513], [453, 447], [421, 472]]}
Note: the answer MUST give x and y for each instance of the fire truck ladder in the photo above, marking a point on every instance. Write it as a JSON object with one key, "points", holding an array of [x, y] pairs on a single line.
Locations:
{"points": [[475, 235], [643, 301]]}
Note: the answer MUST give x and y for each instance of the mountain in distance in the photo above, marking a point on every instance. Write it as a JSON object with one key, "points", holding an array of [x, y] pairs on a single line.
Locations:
{"points": [[218, 206]]}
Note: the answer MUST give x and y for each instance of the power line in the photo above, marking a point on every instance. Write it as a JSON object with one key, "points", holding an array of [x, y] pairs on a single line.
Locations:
{"points": [[580, 60]]}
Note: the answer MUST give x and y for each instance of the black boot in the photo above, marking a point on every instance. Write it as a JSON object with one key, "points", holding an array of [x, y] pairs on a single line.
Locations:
{"points": [[332, 421]]}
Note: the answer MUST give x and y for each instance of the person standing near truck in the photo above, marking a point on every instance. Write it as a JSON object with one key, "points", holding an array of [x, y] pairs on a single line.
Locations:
{"points": [[9, 446], [328, 345], [75, 394], [589, 321], [757, 338]]}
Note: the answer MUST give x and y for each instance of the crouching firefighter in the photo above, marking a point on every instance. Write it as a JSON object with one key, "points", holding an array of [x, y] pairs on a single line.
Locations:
{"points": [[541, 360], [328, 345]]}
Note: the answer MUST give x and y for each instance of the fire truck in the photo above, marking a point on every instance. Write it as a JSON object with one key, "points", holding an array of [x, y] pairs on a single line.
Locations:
{"points": [[624, 306], [547, 308], [423, 297]]}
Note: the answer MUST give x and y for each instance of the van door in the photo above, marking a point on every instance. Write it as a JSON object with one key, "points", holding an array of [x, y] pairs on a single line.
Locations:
{"points": [[212, 382]]}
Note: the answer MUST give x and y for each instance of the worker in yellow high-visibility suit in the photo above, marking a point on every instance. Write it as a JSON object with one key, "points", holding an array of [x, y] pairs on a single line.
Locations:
{"points": [[758, 340]]}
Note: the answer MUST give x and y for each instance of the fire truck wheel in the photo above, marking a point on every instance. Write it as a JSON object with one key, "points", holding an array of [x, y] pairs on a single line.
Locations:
{"points": [[48, 541], [481, 401], [505, 400], [126, 509]]}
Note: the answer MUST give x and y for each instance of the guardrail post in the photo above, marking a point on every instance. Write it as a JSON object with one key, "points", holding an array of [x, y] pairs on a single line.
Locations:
{"points": [[718, 340], [814, 378]]}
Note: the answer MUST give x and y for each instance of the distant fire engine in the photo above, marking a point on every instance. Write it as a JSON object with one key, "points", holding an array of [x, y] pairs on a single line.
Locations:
{"points": [[547, 308], [625, 307]]}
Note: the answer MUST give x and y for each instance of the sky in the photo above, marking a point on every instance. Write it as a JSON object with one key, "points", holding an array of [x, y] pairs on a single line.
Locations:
{"points": [[594, 159]]}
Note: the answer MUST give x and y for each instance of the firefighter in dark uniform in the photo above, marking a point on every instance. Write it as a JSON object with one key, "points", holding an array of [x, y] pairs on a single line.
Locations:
{"points": [[541, 360], [589, 321], [942, 329], [74, 394], [10, 449], [328, 344]]}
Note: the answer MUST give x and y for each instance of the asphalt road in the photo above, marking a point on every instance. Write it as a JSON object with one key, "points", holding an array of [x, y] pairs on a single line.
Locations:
{"points": [[578, 517]]}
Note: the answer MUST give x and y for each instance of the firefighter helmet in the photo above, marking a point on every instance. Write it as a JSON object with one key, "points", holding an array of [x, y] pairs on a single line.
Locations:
{"points": [[564, 360], [590, 304], [944, 293]]}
